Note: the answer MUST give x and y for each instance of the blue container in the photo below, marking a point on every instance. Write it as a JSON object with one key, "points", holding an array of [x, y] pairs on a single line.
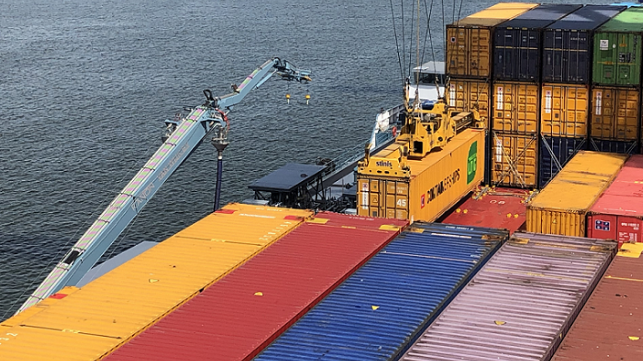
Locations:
{"points": [[554, 154], [613, 146], [384, 306]]}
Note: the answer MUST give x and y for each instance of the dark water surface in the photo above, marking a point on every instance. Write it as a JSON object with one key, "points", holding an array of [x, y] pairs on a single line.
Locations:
{"points": [[85, 87]]}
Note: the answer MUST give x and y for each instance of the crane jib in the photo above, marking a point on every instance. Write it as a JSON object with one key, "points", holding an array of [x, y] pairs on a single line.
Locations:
{"points": [[188, 134]]}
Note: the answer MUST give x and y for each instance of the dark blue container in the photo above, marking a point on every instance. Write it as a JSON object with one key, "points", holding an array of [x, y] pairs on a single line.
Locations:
{"points": [[613, 146], [554, 154], [518, 42], [384, 306], [568, 44]]}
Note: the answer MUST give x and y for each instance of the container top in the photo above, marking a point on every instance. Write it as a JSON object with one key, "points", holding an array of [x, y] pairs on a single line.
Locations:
{"points": [[577, 186], [630, 20], [495, 14], [520, 303], [588, 17], [541, 16], [501, 208], [378, 310], [114, 307], [609, 325], [238, 316], [624, 197]]}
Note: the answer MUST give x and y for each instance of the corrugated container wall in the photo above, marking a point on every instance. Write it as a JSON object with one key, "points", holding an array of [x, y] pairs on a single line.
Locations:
{"points": [[436, 182], [516, 107], [469, 40], [502, 208], [614, 146], [238, 316], [381, 308], [617, 50], [615, 113], [466, 94], [108, 311], [609, 326], [514, 160], [562, 206], [618, 213], [517, 50], [564, 110], [520, 304], [554, 154], [567, 44]]}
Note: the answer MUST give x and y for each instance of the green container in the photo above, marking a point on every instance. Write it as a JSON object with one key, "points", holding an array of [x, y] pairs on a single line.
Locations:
{"points": [[617, 50]]}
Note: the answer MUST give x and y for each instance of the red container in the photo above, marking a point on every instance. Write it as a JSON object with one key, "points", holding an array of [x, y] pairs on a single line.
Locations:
{"points": [[235, 318], [500, 208], [618, 213], [609, 326]]}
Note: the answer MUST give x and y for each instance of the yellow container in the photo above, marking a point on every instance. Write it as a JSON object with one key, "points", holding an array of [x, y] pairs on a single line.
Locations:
{"points": [[436, 183], [465, 94], [104, 314], [516, 107], [564, 110], [514, 160], [469, 39], [615, 113], [561, 207]]}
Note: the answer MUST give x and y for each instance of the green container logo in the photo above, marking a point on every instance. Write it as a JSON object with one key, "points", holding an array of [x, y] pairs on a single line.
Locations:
{"points": [[472, 162]]}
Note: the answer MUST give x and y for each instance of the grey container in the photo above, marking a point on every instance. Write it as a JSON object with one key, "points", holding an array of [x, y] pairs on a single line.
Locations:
{"points": [[521, 303]]}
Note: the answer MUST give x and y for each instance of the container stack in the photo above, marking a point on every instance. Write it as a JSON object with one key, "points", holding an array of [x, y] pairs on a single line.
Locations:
{"points": [[468, 56], [468, 61], [616, 77], [516, 95], [566, 75]]}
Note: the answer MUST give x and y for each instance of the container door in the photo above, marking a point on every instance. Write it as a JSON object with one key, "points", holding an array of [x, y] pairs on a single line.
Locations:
{"points": [[601, 226], [604, 71], [627, 114], [629, 59], [465, 93], [629, 229], [615, 113], [516, 108], [564, 111], [382, 198], [479, 52], [456, 51]]}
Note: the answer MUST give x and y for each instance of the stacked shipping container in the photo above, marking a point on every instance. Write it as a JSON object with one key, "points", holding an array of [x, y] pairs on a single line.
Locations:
{"points": [[516, 95], [469, 58], [616, 107], [618, 213], [561, 208], [565, 95], [377, 311], [520, 304]]}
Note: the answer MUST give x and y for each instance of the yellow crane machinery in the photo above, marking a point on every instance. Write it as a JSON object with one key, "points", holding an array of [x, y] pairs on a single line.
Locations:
{"points": [[435, 153]]}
